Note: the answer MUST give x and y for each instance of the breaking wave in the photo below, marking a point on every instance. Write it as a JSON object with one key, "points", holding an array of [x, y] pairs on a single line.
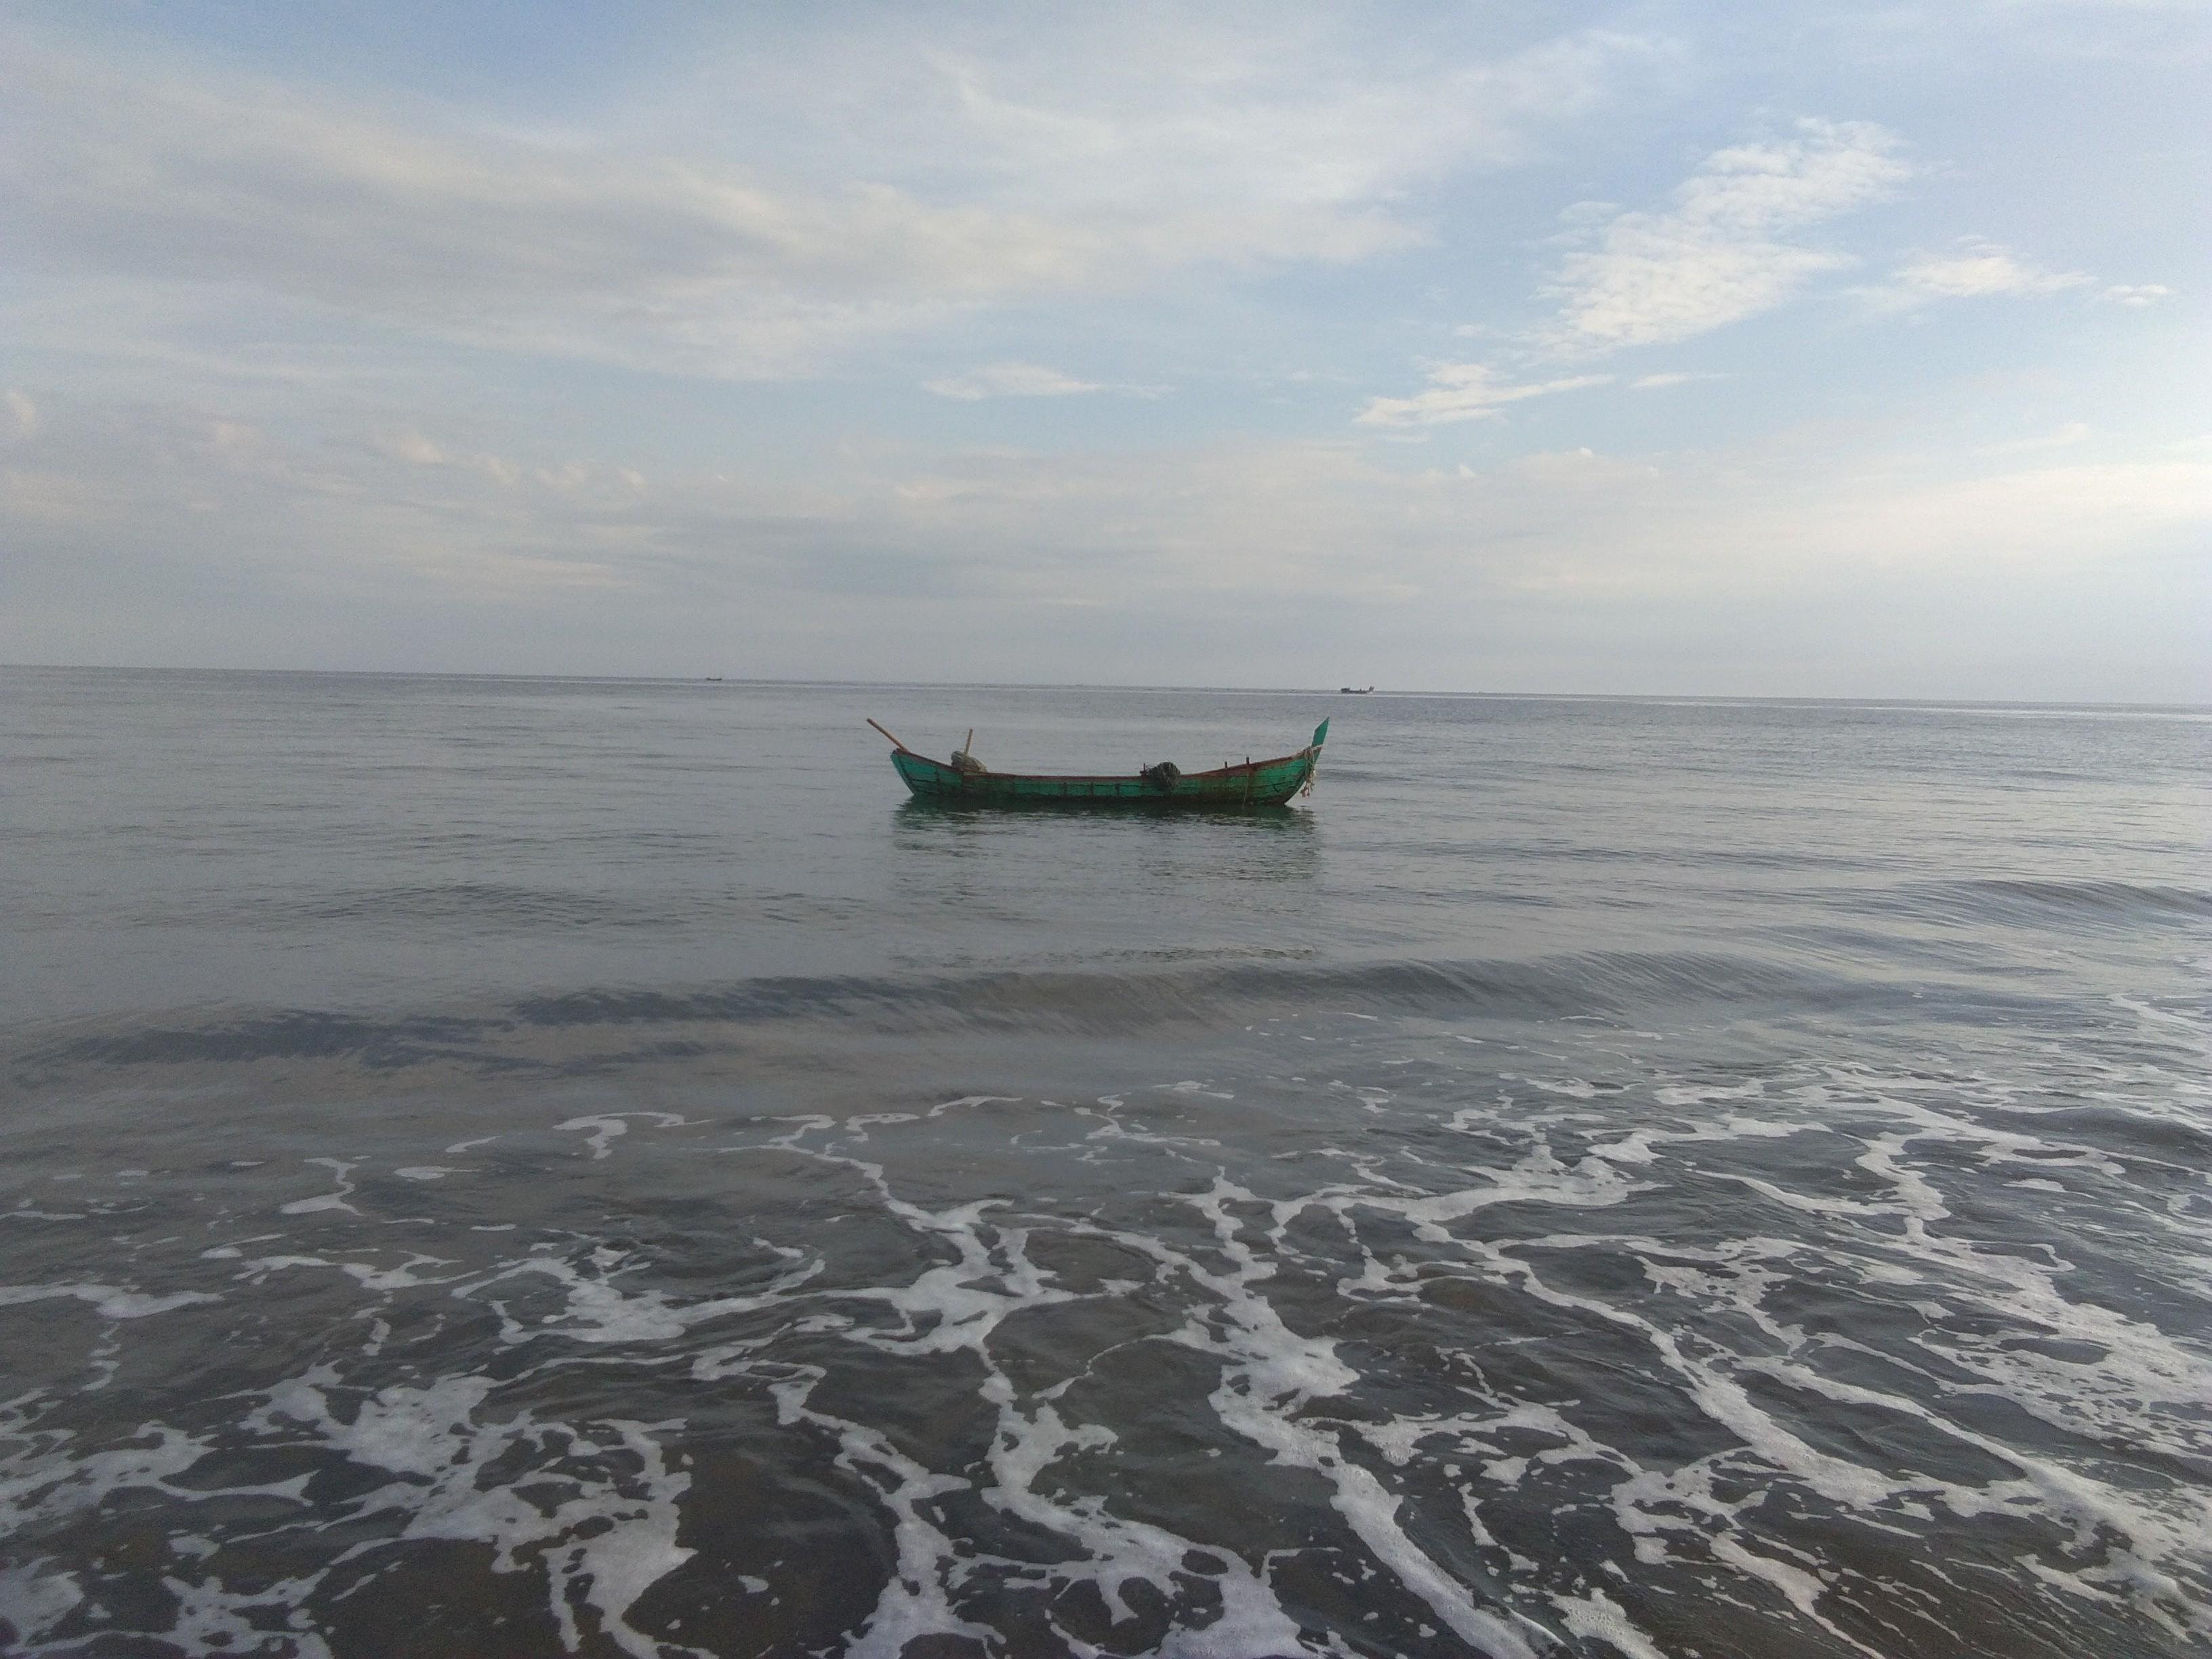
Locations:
{"points": [[1532, 1347]]}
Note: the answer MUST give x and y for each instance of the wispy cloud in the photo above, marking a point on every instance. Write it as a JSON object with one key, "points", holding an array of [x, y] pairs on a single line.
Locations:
{"points": [[1466, 392], [408, 446], [2138, 295], [1721, 252], [2072, 432], [265, 530], [1010, 379], [1657, 382], [1980, 269], [1647, 278], [1133, 165], [1184, 103]]}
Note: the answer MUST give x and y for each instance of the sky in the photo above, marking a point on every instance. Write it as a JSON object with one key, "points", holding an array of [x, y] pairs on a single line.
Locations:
{"points": [[1854, 349]]}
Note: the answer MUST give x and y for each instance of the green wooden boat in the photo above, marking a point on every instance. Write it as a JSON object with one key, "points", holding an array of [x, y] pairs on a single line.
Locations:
{"points": [[1228, 789]]}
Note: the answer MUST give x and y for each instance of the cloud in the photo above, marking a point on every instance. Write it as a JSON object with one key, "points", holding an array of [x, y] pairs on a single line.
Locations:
{"points": [[2138, 295], [1010, 379], [410, 447], [22, 414], [1980, 269], [1232, 519], [1464, 392], [2072, 432], [1170, 103], [1656, 382], [1719, 254], [680, 260], [188, 535], [691, 267]]}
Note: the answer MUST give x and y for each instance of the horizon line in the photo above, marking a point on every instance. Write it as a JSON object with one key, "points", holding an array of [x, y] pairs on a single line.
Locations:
{"points": [[1104, 685]]}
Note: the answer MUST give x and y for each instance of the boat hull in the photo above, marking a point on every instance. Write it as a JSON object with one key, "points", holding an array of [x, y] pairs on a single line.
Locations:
{"points": [[1255, 785]]}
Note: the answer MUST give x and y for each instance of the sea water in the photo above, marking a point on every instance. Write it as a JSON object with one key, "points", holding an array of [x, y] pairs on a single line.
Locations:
{"points": [[506, 1166]]}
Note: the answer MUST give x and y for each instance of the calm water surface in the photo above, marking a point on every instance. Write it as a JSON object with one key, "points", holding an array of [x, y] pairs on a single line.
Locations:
{"points": [[510, 1167]]}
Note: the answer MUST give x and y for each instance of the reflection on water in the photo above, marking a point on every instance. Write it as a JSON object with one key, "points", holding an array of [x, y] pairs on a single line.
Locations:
{"points": [[1147, 853]]}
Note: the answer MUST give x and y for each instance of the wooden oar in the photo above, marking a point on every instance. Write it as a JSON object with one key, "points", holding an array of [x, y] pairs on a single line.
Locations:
{"points": [[896, 744]]}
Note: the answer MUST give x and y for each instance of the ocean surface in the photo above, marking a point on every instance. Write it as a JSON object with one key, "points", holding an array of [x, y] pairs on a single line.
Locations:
{"points": [[516, 1167]]}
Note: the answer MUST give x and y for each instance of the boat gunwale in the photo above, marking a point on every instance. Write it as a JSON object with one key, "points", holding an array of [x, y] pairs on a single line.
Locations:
{"points": [[1108, 777]]}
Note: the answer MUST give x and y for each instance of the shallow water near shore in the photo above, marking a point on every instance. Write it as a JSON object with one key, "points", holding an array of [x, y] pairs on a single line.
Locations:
{"points": [[501, 1166]]}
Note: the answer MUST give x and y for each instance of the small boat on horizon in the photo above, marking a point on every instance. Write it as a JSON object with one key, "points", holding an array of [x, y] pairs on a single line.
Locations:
{"points": [[1355, 690], [965, 781]]}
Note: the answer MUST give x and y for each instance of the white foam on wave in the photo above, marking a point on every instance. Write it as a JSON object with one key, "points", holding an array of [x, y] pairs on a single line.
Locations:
{"points": [[2192, 1029], [1374, 1100], [2090, 1509], [2137, 1387], [1641, 1145], [916, 1601], [1122, 1551], [602, 1128], [368, 1275], [1596, 1615], [2143, 1378], [1697, 1094], [957, 1307], [1536, 1178], [1711, 1317], [34, 1598], [1114, 1128], [212, 1617], [2105, 1398], [1191, 1086], [601, 1522], [45, 1478], [1271, 1373], [334, 1200], [1400, 1439], [1573, 1088], [596, 1309], [108, 1301], [967, 1102]]}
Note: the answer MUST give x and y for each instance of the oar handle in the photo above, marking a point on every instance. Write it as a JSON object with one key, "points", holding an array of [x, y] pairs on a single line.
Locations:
{"points": [[896, 744]]}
